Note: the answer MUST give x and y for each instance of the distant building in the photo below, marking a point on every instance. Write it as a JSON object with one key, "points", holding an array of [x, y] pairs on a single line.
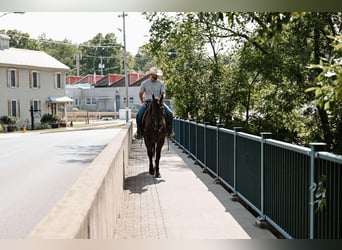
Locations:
{"points": [[107, 94], [28, 79]]}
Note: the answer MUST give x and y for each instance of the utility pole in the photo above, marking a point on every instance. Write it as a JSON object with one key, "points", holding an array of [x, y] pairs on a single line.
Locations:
{"points": [[125, 60], [101, 65], [77, 57]]}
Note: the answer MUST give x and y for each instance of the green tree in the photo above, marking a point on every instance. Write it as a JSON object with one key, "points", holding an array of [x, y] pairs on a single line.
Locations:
{"points": [[178, 48], [143, 60], [328, 91], [21, 40], [101, 50], [63, 51]]}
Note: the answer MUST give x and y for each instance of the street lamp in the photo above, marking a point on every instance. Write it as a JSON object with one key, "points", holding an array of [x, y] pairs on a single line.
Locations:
{"points": [[15, 12]]}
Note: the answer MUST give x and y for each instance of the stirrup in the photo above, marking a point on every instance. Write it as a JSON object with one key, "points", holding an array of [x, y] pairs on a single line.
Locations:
{"points": [[171, 134], [137, 136]]}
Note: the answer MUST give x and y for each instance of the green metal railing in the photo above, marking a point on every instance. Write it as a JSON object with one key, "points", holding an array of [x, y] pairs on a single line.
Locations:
{"points": [[274, 178]]}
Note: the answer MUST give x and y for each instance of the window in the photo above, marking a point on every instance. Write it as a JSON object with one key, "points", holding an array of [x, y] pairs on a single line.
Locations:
{"points": [[131, 100], [13, 108], [36, 104], [88, 101], [35, 80], [77, 101], [93, 100], [13, 78], [58, 81]]}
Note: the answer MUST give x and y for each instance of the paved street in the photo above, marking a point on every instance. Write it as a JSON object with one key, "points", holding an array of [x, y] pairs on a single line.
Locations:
{"points": [[37, 169], [184, 203]]}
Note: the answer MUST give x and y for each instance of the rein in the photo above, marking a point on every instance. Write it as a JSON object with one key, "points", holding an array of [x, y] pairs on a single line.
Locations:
{"points": [[150, 108]]}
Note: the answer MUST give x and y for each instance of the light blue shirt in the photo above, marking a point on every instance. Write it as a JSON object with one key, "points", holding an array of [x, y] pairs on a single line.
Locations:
{"points": [[150, 87]]}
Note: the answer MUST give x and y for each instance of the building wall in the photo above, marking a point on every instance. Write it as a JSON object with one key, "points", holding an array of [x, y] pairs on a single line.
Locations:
{"points": [[25, 94], [103, 99]]}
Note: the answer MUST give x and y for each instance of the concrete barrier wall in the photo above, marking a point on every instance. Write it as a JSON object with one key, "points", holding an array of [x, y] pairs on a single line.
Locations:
{"points": [[89, 210]]}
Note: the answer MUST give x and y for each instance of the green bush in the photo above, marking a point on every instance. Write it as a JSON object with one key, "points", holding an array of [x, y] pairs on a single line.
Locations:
{"points": [[49, 118], [8, 120]]}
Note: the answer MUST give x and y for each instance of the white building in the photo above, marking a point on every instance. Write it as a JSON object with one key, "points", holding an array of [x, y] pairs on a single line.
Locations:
{"points": [[30, 79], [108, 94]]}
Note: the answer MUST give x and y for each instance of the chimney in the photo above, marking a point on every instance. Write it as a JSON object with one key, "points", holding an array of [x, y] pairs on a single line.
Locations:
{"points": [[4, 41]]}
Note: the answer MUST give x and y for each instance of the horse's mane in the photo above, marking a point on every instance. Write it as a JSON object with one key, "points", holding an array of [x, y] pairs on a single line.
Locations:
{"points": [[159, 104]]}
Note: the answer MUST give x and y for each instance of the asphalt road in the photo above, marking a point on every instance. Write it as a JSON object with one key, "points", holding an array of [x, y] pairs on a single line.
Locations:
{"points": [[36, 170]]}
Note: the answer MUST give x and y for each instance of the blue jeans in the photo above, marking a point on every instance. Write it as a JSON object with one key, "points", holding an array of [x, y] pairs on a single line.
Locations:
{"points": [[143, 109]]}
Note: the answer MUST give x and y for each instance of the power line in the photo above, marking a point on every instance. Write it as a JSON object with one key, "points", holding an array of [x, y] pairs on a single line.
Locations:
{"points": [[101, 46], [104, 57], [106, 45]]}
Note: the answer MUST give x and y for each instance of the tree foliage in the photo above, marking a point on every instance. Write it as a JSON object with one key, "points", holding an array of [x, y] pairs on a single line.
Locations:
{"points": [[248, 69], [101, 48]]}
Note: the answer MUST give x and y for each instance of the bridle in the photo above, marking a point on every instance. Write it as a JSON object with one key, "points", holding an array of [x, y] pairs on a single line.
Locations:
{"points": [[160, 106]]}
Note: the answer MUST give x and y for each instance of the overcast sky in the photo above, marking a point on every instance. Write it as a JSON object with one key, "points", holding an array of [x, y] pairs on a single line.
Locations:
{"points": [[80, 26]]}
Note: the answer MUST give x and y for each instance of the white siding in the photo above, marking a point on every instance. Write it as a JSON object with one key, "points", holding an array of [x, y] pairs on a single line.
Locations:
{"points": [[26, 94], [109, 92]]}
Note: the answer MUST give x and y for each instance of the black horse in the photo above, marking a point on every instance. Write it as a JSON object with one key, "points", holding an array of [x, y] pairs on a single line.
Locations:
{"points": [[154, 133]]}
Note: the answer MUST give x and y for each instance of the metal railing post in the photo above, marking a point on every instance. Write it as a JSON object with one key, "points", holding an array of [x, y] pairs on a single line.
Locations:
{"points": [[205, 144], [189, 137], [264, 136], [217, 151], [315, 147], [236, 130], [196, 146]]}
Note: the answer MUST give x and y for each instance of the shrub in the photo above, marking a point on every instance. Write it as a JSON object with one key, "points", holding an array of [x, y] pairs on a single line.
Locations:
{"points": [[10, 122], [49, 118]]}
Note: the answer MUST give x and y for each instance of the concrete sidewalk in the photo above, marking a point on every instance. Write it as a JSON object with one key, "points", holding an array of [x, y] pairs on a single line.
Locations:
{"points": [[184, 203]]}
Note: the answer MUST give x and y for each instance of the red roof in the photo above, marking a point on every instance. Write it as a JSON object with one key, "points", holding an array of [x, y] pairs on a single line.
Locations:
{"points": [[109, 80], [73, 79], [133, 77], [91, 79], [114, 77]]}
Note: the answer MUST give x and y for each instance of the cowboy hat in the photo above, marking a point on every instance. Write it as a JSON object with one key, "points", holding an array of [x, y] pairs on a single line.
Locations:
{"points": [[153, 70]]}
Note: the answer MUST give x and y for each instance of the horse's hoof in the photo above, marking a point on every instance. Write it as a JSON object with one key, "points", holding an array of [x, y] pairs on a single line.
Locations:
{"points": [[157, 175], [151, 172]]}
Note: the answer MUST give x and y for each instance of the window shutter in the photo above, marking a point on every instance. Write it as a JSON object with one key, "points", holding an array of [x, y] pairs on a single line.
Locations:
{"points": [[30, 78], [38, 79], [8, 78], [62, 81], [17, 78], [9, 107], [18, 105]]}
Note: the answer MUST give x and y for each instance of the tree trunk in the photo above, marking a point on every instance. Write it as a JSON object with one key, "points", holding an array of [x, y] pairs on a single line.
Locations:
{"points": [[338, 143], [325, 126]]}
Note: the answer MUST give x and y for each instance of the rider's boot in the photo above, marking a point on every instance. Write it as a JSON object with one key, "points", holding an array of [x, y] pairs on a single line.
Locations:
{"points": [[170, 133], [138, 135]]}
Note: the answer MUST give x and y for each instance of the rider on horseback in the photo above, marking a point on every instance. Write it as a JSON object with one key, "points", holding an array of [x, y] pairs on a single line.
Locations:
{"points": [[147, 89]]}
